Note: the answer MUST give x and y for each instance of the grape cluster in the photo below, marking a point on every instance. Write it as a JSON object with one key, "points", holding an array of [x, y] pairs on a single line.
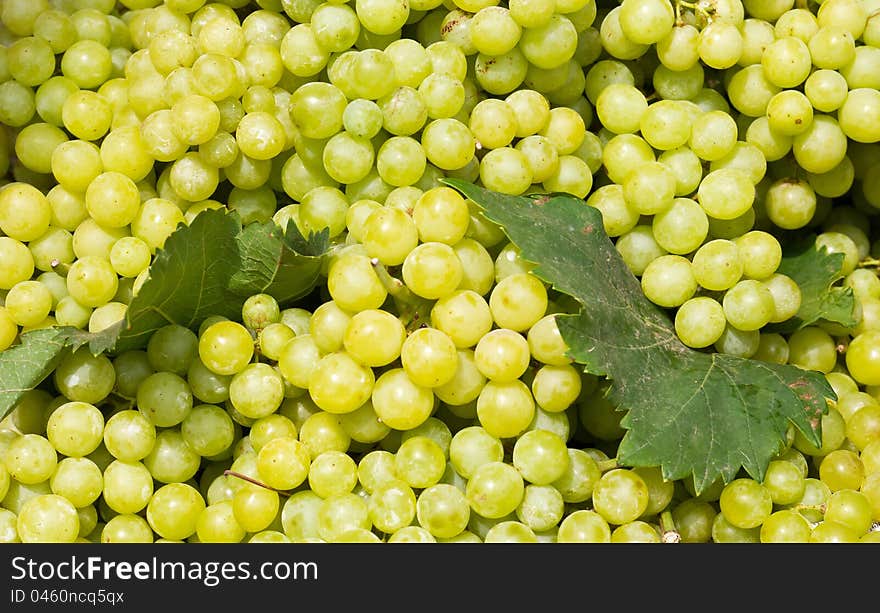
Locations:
{"points": [[424, 393]]}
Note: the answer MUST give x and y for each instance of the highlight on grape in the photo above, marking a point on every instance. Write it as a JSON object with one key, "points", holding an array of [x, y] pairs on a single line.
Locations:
{"points": [[421, 390]]}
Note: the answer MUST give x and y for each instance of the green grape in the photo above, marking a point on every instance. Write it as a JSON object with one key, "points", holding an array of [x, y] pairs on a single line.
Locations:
{"points": [[636, 532], [833, 532], [129, 436], [128, 486], [694, 520], [785, 526], [339, 384], [75, 429], [172, 460], [850, 508], [748, 305], [472, 447], [700, 321], [540, 456], [842, 469], [28, 303], [620, 107], [443, 510], [164, 398], [419, 462], [510, 532], [208, 430], [174, 510], [256, 391], [494, 490], [48, 518], [217, 524], [862, 356], [226, 347], [78, 480], [813, 348], [254, 508], [392, 505], [620, 496], [725, 532], [340, 513], [583, 526], [669, 280], [785, 481], [322, 431], [84, 377], [30, 459], [745, 503], [375, 468], [332, 472]]}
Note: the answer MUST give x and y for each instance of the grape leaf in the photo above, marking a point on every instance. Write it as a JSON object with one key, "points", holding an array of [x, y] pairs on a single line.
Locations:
{"points": [[24, 366], [190, 279], [816, 270], [689, 412], [281, 263]]}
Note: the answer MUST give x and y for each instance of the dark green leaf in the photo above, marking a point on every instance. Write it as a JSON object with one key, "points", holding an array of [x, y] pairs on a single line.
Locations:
{"points": [[687, 411], [189, 280], [816, 271], [283, 264], [24, 366]]}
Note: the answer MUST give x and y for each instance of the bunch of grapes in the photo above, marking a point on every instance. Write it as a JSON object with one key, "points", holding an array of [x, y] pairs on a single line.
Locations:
{"points": [[423, 392]]}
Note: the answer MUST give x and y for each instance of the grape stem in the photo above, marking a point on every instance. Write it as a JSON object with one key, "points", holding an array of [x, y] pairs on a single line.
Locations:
{"points": [[117, 402], [810, 507], [62, 268], [668, 532], [870, 263], [606, 465], [694, 6], [414, 310], [232, 473]]}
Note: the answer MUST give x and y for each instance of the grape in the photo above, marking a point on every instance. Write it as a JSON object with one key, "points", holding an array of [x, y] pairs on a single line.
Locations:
{"points": [[540, 456], [217, 524], [419, 462], [785, 526], [495, 490], [48, 518], [172, 460], [174, 510], [128, 486], [254, 508], [75, 429], [225, 347], [583, 526], [30, 459], [745, 503], [129, 436], [78, 480], [429, 357]]}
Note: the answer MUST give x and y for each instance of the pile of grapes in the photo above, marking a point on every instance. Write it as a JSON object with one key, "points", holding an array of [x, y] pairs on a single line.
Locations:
{"points": [[423, 392]]}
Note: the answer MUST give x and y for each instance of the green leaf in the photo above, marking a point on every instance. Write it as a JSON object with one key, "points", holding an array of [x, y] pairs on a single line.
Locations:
{"points": [[816, 271], [209, 267], [283, 264], [24, 366], [189, 280], [689, 412]]}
